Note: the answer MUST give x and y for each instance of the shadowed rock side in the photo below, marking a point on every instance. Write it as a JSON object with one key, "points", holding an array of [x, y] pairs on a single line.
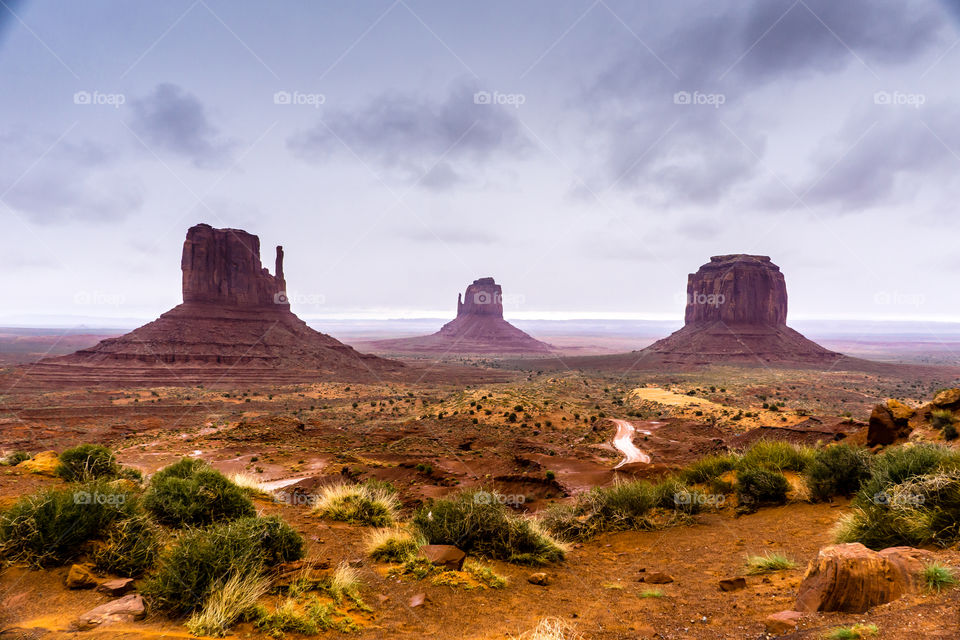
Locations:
{"points": [[234, 322], [737, 312], [478, 328]]}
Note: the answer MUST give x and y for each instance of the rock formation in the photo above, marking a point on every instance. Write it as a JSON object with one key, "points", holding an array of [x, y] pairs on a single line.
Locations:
{"points": [[737, 311], [235, 321], [478, 328]]}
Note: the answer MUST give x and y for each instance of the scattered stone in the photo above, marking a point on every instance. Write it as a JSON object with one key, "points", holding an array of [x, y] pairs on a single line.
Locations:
{"points": [[852, 578], [117, 588], [889, 422], [657, 577], [81, 576], [44, 463], [540, 578], [782, 622], [126, 609], [444, 555], [733, 584], [417, 600]]}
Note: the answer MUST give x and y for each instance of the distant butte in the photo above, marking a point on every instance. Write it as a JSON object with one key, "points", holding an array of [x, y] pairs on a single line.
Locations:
{"points": [[235, 322], [737, 312], [479, 328]]}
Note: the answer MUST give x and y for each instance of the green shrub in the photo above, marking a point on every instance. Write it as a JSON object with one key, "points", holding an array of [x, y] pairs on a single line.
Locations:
{"points": [[897, 464], [191, 493], [87, 462], [14, 458], [940, 418], [757, 487], [706, 469], [837, 470], [950, 432], [937, 577], [393, 545], [479, 523], [130, 549], [201, 559], [54, 526], [775, 455], [769, 562]]}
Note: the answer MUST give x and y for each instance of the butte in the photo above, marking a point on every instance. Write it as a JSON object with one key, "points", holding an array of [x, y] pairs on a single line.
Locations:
{"points": [[479, 328], [235, 325]]}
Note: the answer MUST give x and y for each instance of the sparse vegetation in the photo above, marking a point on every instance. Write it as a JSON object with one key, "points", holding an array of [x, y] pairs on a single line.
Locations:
{"points": [[14, 458], [551, 629], [364, 504], [87, 462], [856, 632], [191, 493], [837, 470], [769, 562], [228, 601], [131, 547], [394, 544], [757, 487], [937, 577]]}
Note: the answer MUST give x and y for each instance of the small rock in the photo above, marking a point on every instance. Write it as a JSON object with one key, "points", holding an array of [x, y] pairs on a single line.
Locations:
{"points": [[356, 562], [417, 600], [81, 576], [733, 584], [117, 588], [782, 622], [444, 555], [539, 578], [657, 577], [125, 609]]}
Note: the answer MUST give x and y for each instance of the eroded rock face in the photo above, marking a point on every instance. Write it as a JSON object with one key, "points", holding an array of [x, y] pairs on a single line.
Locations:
{"points": [[483, 298], [222, 266], [889, 422], [737, 289], [852, 578]]}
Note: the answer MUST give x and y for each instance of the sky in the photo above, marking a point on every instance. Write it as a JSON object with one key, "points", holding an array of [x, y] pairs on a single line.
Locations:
{"points": [[586, 154]]}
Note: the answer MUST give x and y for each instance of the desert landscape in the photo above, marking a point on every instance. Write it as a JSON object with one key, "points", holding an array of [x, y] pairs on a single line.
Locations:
{"points": [[701, 380]]}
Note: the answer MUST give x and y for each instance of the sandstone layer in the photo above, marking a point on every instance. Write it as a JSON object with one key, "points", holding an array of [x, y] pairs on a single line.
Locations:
{"points": [[479, 328]]}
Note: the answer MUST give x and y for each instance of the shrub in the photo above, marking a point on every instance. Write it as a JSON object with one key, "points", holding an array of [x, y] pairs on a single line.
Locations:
{"points": [[837, 470], [478, 522], [897, 464], [131, 547], [937, 577], [392, 545], [769, 562], [856, 632], [758, 487], [14, 458], [191, 493], [191, 569], [950, 432], [227, 603], [52, 527], [775, 455], [941, 418], [710, 467], [87, 462], [358, 504]]}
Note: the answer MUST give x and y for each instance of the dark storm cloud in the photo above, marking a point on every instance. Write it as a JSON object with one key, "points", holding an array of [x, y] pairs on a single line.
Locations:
{"points": [[663, 149], [171, 119], [432, 142], [883, 156]]}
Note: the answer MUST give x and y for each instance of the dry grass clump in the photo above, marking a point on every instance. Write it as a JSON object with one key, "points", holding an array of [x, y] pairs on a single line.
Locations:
{"points": [[358, 504], [768, 563], [551, 629], [227, 603], [251, 484], [393, 544]]}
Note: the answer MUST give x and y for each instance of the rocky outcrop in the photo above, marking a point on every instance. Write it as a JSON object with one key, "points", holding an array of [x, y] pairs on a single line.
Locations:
{"points": [[235, 321], [737, 312], [852, 578], [126, 609], [479, 328], [889, 423]]}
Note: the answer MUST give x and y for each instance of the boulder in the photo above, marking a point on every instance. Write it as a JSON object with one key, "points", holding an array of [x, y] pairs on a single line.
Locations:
{"points": [[80, 576], [126, 609], [44, 463], [782, 622], [889, 422], [444, 555], [947, 399], [116, 588], [733, 584], [657, 577], [852, 578], [540, 578]]}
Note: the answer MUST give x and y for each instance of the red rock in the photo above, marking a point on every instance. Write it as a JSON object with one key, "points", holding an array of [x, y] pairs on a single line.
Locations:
{"points": [[417, 600], [889, 422], [782, 622], [116, 588], [733, 584], [81, 576], [737, 311], [126, 609], [478, 328], [444, 555], [235, 321], [540, 578], [657, 577], [852, 578]]}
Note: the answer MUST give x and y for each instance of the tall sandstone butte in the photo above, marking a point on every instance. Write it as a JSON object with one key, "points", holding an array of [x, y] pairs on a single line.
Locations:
{"points": [[235, 323], [737, 311], [478, 328]]}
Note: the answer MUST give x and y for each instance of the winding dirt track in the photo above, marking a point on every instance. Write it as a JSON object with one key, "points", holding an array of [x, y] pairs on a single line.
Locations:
{"points": [[623, 441]]}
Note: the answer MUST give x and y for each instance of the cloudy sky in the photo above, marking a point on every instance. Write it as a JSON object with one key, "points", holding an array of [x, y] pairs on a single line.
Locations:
{"points": [[588, 154]]}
